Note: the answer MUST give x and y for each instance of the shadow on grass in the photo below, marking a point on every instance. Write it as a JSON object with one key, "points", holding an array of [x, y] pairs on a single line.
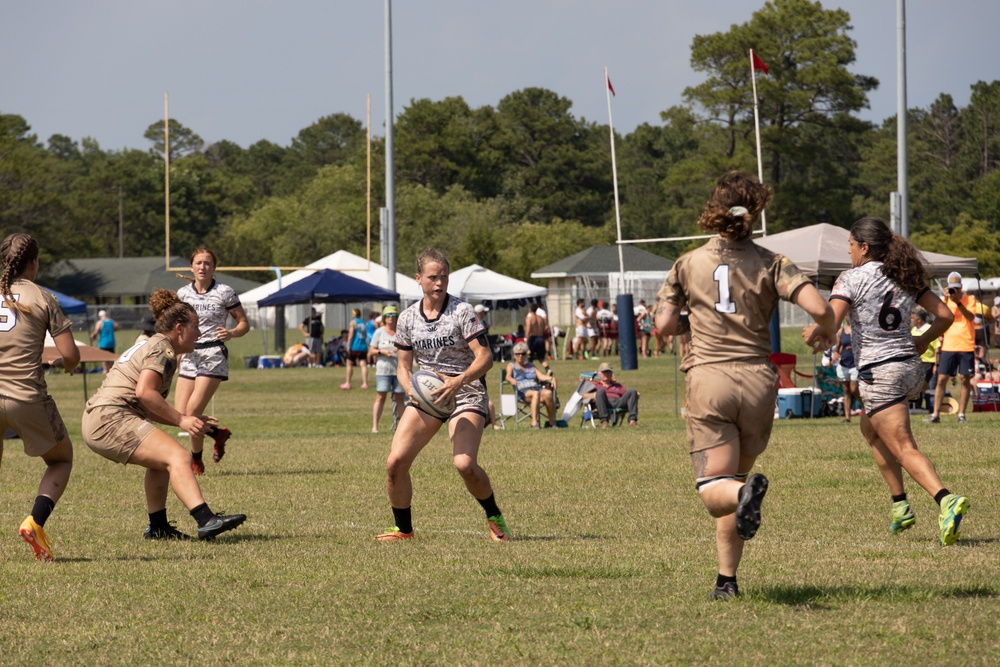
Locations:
{"points": [[818, 597], [272, 473], [554, 538], [595, 572]]}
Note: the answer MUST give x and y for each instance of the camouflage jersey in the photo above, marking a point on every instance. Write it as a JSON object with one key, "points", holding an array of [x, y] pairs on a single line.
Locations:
{"points": [[441, 344], [118, 390], [879, 314], [22, 337], [731, 289]]}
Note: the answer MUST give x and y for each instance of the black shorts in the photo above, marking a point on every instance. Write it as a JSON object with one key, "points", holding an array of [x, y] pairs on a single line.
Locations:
{"points": [[957, 363]]}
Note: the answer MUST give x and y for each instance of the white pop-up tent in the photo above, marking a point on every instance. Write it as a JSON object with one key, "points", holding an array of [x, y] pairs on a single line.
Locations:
{"points": [[821, 251], [477, 283], [342, 260]]}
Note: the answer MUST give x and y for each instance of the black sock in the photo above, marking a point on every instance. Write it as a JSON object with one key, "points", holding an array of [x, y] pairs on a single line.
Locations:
{"points": [[940, 495], [722, 579], [158, 519], [403, 519], [202, 514], [196, 456], [900, 498], [42, 509], [490, 505]]}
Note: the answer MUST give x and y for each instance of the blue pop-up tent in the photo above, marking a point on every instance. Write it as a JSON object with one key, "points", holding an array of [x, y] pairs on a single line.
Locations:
{"points": [[328, 286], [69, 305]]}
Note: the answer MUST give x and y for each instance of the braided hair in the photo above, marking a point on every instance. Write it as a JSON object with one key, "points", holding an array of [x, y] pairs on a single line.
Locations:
{"points": [[17, 251], [735, 203]]}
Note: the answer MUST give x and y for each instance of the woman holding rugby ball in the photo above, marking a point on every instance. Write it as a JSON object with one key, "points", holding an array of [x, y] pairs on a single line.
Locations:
{"points": [[442, 334]]}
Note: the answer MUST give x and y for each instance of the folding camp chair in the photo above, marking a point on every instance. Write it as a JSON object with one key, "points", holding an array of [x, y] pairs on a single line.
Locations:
{"points": [[786, 369], [511, 407]]}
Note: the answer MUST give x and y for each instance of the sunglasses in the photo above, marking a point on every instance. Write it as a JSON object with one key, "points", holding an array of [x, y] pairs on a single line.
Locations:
{"points": [[520, 354]]}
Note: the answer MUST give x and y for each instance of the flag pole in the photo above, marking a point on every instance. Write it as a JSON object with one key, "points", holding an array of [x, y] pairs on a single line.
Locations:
{"points": [[614, 177], [756, 128]]}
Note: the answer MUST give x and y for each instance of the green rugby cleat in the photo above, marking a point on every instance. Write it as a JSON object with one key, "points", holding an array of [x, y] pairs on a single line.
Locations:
{"points": [[498, 528], [902, 517], [953, 509]]}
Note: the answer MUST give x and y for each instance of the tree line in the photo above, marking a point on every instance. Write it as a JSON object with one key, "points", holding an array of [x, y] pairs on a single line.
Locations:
{"points": [[522, 184]]}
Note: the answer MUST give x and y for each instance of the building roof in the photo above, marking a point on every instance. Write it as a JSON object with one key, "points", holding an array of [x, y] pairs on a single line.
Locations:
{"points": [[113, 277], [602, 260]]}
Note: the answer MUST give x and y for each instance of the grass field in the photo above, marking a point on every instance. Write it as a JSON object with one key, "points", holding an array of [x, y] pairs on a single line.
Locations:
{"points": [[612, 560]]}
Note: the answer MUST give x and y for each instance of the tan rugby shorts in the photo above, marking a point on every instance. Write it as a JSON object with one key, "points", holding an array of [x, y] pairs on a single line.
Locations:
{"points": [[729, 402]]}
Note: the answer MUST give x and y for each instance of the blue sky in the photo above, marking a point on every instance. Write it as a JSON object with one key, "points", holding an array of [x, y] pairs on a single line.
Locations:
{"points": [[246, 70]]}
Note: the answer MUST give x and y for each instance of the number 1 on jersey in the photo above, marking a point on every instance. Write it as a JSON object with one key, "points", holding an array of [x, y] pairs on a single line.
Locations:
{"points": [[725, 303]]}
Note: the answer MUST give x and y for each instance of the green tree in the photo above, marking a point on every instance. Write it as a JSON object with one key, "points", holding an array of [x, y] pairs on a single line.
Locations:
{"points": [[183, 140], [559, 165], [806, 104]]}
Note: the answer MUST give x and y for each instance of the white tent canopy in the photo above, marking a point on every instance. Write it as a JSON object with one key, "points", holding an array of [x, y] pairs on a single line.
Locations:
{"points": [[476, 283], [821, 251], [342, 260]]}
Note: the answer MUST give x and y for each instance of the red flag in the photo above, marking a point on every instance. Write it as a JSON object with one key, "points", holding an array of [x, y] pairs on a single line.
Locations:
{"points": [[759, 64], [610, 87]]}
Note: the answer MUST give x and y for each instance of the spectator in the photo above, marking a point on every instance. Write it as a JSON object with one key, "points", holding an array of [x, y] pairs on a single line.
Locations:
{"points": [[847, 371], [312, 328], [383, 346], [535, 326], [549, 334], [644, 320], [611, 395], [336, 350], [104, 334], [357, 350], [592, 335], [604, 317], [296, 355], [918, 318], [995, 315], [958, 347], [529, 384], [481, 311], [578, 347]]}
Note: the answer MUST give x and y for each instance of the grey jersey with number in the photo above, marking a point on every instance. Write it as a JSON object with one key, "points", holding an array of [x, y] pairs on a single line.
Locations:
{"points": [[441, 344], [879, 315], [731, 289], [212, 306]]}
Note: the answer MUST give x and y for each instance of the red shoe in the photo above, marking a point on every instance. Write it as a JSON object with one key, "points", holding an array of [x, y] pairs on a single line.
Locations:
{"points": [[221, 434], [197, 467]]}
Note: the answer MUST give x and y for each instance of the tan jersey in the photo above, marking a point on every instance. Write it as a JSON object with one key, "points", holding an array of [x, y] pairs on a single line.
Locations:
{"points": [[731, 289], [154, 353], [22, 337]]}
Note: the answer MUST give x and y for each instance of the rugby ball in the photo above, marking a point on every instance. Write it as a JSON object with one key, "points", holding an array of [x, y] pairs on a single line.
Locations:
{"points": [[423, 383]]}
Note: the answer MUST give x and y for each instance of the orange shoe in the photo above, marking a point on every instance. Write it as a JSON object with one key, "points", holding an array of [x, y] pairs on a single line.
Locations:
{"points": [[498, 528], [33, 534], [197, 467], [393, 534]]}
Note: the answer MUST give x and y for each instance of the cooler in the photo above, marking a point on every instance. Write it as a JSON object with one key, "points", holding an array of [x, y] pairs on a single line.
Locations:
{"points": [[986, 398], [269, 361], [795, 402]]}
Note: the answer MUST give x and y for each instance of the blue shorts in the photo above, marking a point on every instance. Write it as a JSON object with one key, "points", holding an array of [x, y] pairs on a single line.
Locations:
{"points": [[957, 363], [386, 383]]}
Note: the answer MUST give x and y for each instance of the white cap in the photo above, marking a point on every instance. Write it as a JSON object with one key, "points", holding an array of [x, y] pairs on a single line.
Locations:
{"points": [[480, 308], [102, 313], [955, 280]]}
